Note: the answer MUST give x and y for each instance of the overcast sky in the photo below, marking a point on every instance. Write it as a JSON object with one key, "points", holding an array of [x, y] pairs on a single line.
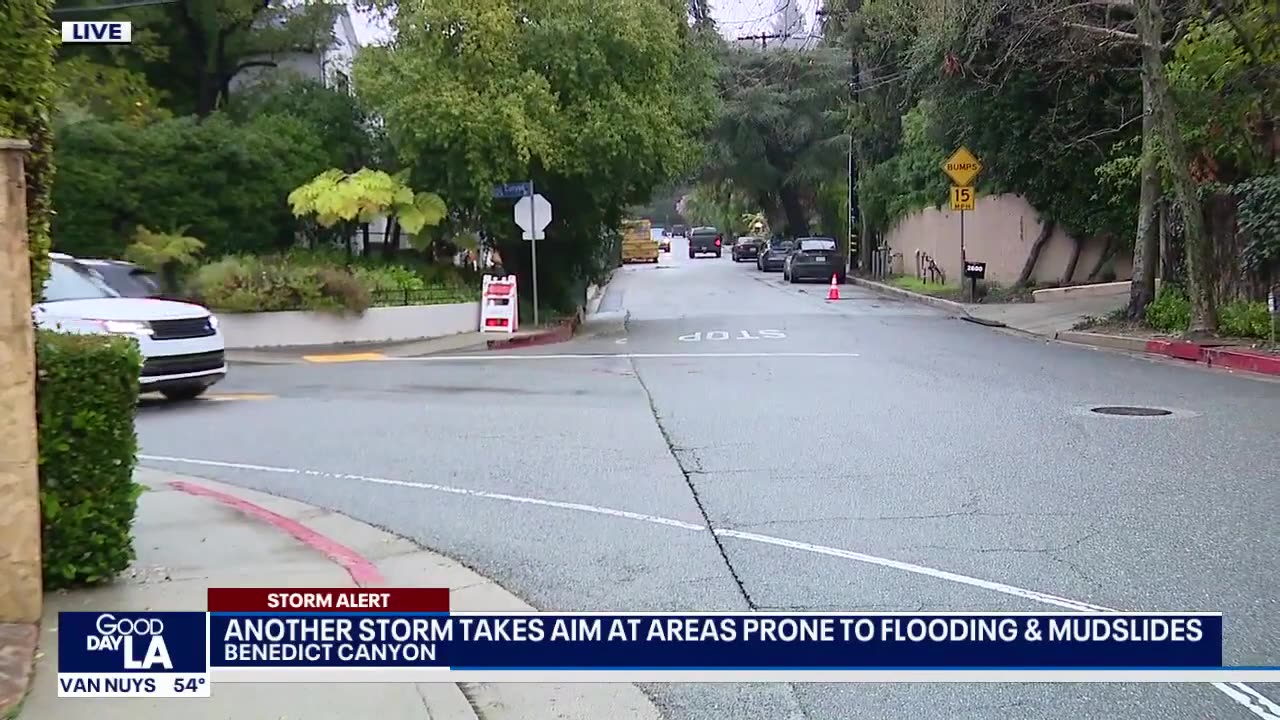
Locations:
{"points": [[735, 18]]}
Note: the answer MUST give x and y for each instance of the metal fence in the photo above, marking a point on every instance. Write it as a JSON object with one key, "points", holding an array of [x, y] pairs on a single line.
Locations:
{"points": [[390, 297]]}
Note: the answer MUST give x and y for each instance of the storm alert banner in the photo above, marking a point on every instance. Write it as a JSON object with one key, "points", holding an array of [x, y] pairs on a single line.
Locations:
{"points": [[410, 635]]}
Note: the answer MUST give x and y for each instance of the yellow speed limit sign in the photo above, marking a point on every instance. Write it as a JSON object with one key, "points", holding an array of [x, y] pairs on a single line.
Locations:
{"points": [[963, 197]]}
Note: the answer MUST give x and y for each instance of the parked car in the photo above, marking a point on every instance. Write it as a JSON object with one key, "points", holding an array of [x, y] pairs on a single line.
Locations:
{"points": [[678, 231], [182, 349], [705, 240], [125, 278], [746, 248], [773, 257], [665, 244], [814, 258]]}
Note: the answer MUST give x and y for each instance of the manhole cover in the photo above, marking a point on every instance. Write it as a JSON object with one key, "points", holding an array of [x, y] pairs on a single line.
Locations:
{"points": [[1131, 411]]}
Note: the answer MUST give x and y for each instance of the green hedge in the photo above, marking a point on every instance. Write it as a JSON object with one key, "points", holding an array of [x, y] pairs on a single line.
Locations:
{"points": [[224, 183], [87, 393]]}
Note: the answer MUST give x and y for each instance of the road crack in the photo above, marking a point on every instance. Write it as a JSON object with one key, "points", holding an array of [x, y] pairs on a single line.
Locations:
{"points": [[676, 453]]}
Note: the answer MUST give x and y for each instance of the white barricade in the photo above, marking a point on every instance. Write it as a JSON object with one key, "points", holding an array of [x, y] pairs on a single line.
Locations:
{"points": [[499, 304]]}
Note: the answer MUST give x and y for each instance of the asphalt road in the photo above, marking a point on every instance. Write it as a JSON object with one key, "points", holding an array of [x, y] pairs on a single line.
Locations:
{"points": [[862, 454]]}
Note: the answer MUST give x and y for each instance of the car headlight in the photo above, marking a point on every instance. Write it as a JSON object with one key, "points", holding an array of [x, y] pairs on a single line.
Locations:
{"points": [[213, 321], [127, 327]]}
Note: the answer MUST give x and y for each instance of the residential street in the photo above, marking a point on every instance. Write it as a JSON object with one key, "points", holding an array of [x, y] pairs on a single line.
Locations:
{"points": [[748, 444]]}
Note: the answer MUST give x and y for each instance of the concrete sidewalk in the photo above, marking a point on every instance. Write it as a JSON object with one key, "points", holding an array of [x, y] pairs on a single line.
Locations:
{"points": [[191, 534], [1037, 318]]}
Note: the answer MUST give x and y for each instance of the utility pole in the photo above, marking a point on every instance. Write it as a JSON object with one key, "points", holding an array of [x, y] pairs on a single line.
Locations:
{"points": [[855, 252], [763, 38]]}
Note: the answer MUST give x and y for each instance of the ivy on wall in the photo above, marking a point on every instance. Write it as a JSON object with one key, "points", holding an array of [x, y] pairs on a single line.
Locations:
{"points": [[27, 91]]}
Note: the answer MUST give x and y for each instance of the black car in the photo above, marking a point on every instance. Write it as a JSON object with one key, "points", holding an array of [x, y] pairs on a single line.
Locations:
{"points": [[125, 278], [814, 258], [774, 254], [705, 240], [747, 248]]}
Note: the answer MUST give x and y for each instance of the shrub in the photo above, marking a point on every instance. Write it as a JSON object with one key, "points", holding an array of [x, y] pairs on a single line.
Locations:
{"points": [[87, 390], [1170, 311], [1245, 319], [252, 284]]}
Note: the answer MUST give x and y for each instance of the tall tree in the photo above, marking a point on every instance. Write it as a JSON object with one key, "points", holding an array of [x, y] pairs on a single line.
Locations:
{"points": [[778, 136], [192, 49], [598, 103]]}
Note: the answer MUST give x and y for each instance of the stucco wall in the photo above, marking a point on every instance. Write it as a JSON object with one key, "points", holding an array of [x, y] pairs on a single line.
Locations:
{"points": [[1000, 232], [245, 331], [20, 594]]}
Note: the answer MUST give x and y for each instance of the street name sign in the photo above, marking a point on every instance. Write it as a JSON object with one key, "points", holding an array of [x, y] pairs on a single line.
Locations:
{"points": [[962, 167], [513, 190]]}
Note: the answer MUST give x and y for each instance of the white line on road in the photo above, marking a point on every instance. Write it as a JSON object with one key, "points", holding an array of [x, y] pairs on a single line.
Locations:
{"points": [[1252, 700], [916, 569], [438, 488], [626, 356]]}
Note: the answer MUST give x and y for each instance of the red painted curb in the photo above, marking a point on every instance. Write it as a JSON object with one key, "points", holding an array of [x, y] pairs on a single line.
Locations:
{"points": [[560, 333], [362, 571], [1180, 349], [1247, 360]]}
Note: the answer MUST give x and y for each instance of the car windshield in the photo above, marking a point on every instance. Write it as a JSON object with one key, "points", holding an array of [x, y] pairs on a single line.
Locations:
{"points": [[782, 245], [71, 282], [746, 241], [817, 244]]}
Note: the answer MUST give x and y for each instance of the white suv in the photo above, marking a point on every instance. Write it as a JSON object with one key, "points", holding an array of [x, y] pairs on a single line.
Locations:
{"points": [[182, 348]]}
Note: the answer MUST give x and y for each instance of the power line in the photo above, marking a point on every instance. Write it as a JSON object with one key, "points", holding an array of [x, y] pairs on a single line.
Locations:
{"points": [[105, 8], [762, 37]]}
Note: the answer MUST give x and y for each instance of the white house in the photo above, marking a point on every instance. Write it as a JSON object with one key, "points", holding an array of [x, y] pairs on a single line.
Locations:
{"points": [[330, 64]]}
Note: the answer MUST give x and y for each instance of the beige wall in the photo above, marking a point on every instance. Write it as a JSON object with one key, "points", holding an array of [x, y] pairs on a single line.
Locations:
{"points": [[999, 232], [19, 498]]}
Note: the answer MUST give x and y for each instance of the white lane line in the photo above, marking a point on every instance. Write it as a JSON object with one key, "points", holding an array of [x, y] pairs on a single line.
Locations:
{"points": [[1252, 700], [624, 356], [596, 509], [916, 569]]}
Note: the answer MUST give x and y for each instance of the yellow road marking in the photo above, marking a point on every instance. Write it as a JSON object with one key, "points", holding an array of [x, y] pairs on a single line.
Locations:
{"points": [[349, 357], [227, 397]]}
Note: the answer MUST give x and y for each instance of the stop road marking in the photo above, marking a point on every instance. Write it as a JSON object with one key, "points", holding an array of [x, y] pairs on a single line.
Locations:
{"points": [[724, 335]]}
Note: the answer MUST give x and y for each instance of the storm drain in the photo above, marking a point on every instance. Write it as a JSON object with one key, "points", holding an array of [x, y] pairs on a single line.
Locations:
{"points": [[1130, 411]]}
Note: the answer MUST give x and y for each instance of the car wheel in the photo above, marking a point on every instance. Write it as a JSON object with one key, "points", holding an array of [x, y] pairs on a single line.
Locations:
{"points": [[185, 392]]}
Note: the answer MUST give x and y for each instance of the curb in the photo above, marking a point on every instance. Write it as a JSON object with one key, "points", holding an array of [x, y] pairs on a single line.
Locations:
{"points": [[1228, 358], [363, 572], [446, 700], [886, 289], [545, 336]]}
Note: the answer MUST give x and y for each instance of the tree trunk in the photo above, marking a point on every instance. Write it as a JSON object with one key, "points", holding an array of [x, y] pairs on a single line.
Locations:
{"points": [[797, 220], [1070, 271], [392, 240], [1204, 314], [1033, 257], [1108, 252], [207, 94], [364, 232], [1146, 246]]}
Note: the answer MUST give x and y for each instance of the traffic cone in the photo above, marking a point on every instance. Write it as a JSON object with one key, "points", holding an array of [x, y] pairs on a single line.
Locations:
{"points": [[834, 292]]}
